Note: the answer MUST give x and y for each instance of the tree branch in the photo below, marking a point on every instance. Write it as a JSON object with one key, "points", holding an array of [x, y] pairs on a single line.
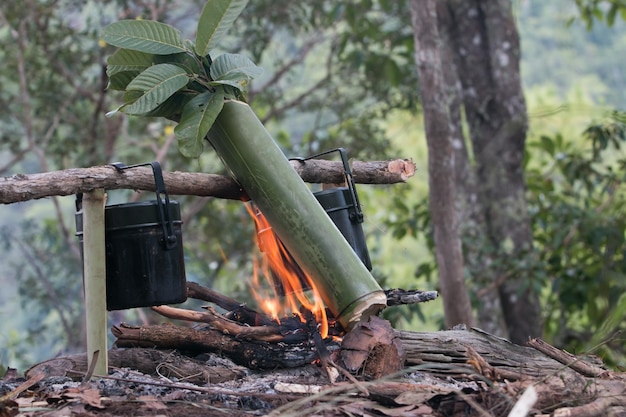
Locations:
{"points": [[22, 187]]}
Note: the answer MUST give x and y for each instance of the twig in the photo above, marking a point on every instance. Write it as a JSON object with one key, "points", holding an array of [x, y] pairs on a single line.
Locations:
{"points": [[221, 323], [23, 387], [568, 359], [234, 307], [399, 296]]}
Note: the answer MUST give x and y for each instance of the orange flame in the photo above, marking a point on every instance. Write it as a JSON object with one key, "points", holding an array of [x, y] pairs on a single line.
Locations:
{"points": [[278, 269]]}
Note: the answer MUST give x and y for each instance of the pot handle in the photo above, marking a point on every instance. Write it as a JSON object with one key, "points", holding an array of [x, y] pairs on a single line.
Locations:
{"points": [[162, 198]]}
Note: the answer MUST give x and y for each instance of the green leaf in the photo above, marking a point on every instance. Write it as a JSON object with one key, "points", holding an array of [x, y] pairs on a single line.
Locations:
{"points": [[198, 117], [547, 144], [130, 96], [156, 84], [124, 60], [216, 18], [144, 36], [234, 69], [120, 80], [172, 107], [184, 60], [610, 15], [124, 65]]}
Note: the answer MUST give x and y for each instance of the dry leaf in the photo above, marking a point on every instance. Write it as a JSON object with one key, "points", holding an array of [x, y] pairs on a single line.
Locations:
{"points": [[89, 396], [9, 408], [152, 402]]}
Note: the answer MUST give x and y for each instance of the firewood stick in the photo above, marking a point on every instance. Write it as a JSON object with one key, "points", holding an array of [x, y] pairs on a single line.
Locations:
{"points": [[21, 187], [221, 323], [250, 353], [198, 292], [399, 296], [395, 297]]}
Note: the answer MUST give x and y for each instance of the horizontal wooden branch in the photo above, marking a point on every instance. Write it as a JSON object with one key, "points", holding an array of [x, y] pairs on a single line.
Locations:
{"points": [[22, 187]]}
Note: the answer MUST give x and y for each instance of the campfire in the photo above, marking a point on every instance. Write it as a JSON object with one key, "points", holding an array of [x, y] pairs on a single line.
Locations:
{"points": [[280, 286], [291, 311]]}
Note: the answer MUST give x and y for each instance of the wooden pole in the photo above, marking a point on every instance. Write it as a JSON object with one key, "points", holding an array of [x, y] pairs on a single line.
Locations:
{"points": [[25, 187], [94, 273]]}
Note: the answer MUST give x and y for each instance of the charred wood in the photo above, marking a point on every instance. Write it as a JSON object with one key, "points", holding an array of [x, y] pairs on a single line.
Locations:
{"points": [[236, 310], [399, 296], [249, 353]]}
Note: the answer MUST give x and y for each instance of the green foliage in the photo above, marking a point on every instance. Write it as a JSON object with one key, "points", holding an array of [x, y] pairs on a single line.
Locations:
{"points": [[601, 10], [144, 36], [325, 86], [47, 300], [153, 87], [578, 205], [216, 18], [164, 76], [571, 55], [195, 124]]}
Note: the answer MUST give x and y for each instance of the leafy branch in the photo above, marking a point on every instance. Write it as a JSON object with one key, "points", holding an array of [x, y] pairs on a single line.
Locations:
{"points": [[164, 76]]}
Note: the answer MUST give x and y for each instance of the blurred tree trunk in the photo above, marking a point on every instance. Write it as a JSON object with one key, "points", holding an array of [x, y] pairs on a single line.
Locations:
{"points": [[435, 100], [478, 52]]}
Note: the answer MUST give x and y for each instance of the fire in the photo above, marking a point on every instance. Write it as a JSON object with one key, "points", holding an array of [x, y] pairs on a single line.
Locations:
{"points": [[275, 268]]}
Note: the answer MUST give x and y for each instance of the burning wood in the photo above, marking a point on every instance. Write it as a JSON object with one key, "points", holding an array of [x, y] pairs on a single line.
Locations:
{"points": [[268, 342]]}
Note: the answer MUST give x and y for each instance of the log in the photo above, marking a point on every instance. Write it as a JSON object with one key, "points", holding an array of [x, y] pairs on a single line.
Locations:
{"points": [[249, 353], [264, 333], [445, 353], [398, 296], [166, 363], [22, 187]]}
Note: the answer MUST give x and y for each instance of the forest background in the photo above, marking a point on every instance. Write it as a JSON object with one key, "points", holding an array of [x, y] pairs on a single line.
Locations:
{"points": [[335, 74]]}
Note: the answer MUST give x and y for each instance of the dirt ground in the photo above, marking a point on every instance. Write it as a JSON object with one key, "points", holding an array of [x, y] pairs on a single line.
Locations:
{"points": [[303, 391]]}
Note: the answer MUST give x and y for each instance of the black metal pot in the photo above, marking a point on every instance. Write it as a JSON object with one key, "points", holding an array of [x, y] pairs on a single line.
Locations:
{"points": [[343, 210], [144, 251]]}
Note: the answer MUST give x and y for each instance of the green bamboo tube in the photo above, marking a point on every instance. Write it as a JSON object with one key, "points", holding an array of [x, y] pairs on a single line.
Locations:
{"points": [[257, 163], [94, 272]]}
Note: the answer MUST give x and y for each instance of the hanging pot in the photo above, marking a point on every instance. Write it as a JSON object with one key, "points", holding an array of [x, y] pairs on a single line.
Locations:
{"points": [[144, 250], [344, 209]]}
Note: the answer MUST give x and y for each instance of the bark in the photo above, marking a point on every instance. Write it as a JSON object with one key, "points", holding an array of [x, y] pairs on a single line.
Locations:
{"points": [[481, 50], [22, 187], [488, 52], [472, 224], [435, 101]]}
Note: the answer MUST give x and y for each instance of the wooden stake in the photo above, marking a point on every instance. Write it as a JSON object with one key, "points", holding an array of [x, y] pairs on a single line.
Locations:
{"points": [[94, 272]]}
